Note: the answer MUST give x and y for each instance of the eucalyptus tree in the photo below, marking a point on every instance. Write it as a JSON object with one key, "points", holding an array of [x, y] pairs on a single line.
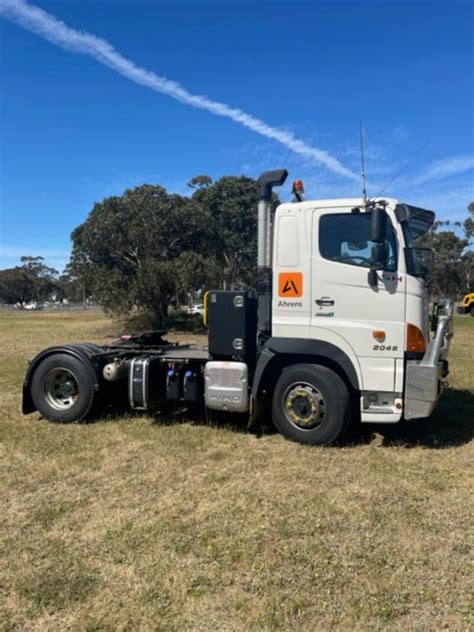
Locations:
{"points": [[140, 249]]}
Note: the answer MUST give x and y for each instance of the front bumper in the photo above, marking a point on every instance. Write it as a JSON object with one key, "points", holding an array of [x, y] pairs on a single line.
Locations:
{"points": [[424, 378], [462, 309]]}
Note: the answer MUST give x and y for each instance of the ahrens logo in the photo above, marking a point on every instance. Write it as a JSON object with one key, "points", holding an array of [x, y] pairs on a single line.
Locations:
{"points": [[290, 284]]}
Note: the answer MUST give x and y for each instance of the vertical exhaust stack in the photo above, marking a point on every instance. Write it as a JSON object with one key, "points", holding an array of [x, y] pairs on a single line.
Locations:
{"points": [[266, 182]]}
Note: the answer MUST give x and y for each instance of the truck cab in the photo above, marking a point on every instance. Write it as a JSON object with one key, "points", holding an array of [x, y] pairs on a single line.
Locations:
{"points": [[323, 295]]}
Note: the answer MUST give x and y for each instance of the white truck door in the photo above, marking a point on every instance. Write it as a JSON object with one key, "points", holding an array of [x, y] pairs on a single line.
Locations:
{"points": [[367, 323]]}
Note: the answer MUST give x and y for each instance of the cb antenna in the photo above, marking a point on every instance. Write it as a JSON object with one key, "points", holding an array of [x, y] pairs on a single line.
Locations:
{"points": [[407, 164], [362, 163]]}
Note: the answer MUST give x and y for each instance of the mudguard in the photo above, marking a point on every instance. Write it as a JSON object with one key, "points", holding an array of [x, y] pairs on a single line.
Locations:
{"points": [[303, 347], [83, 351]]}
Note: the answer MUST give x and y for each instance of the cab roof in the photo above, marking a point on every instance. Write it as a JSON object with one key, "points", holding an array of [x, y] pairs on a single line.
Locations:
{"points": [[420, 220], [335, 203]]}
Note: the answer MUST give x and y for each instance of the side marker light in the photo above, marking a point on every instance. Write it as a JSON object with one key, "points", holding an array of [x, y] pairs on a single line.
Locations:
{"points": [[415, 339]]}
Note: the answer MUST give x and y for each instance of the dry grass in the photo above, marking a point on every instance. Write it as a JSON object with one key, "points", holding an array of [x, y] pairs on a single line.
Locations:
{"points": [[140, 523]]}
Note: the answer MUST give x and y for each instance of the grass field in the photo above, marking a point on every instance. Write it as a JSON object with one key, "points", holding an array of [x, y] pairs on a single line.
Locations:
{"points": [[171, 524]]}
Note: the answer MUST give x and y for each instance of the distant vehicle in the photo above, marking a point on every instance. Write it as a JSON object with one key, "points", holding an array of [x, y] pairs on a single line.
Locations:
{"points": [[467, 306], [197, 310], [33, 306]]}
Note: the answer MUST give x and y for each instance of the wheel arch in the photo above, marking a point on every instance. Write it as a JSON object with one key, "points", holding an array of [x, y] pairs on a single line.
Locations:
{"points": [[279, 353], [84, 352]]}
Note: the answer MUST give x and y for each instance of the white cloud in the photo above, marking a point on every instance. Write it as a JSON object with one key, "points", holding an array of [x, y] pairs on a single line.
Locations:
{"points": [[449, 203], [45, 25], [10, 256], [445, 168]]}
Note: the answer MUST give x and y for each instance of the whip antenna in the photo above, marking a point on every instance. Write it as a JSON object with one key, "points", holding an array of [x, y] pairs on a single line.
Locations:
{"points": [[415, 155], [362, 163]]}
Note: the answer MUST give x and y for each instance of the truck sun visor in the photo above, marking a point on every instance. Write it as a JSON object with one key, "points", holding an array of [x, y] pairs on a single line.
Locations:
{"points": [[420, 220]]}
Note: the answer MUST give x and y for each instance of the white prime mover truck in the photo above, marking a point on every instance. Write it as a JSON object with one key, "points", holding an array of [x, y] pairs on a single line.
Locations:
{"points": [[337, 327]]}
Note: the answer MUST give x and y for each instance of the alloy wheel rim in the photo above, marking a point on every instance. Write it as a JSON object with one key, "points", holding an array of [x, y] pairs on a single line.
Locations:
{"points": [[304, 406]]}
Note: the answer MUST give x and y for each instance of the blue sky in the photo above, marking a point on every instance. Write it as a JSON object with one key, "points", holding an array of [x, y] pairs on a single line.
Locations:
{"points": [[74, 130]]}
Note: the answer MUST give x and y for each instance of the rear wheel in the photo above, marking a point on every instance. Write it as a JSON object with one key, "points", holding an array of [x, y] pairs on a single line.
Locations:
{"points": [[62, 388], [311, 404]]}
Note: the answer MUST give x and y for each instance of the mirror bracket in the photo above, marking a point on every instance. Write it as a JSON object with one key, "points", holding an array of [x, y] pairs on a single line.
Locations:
{"points": [[372, 278]]}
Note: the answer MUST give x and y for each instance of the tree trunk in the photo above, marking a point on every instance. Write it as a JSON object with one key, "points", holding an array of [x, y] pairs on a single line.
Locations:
{"points": [[160, 312]]}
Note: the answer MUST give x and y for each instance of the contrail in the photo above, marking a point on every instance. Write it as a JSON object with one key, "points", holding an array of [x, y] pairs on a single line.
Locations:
{"points": [[38, 21]]}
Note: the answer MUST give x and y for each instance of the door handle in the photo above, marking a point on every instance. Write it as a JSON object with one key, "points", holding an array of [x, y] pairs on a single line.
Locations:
{"points": [[324, 301]]}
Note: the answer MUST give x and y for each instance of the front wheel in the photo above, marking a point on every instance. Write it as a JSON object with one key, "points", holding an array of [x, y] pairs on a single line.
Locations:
{"points": [[62, 388], [311, 404], [471, 310]]}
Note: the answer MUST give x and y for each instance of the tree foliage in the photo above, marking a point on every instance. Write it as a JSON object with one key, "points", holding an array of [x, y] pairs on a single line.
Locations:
{"points": [[148, 248], [199, 182], [232, 204], [453, 270], [16, 286], [469, 224], [141, 249], [32, 281]]}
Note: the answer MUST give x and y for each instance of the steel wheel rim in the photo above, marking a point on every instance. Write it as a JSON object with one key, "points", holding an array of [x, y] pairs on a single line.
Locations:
{"points": [[60, 389], [304, 406]]}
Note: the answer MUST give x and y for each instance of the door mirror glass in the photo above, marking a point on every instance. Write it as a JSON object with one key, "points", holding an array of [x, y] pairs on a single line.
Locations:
{"points": [[378, 225], [379, 258]]}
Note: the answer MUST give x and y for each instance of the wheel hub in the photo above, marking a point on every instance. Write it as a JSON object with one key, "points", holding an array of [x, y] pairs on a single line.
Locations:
{"points": [[60, 389], [304, 406]]}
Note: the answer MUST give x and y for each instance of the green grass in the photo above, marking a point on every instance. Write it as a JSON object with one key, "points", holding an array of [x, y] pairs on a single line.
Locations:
{"points": [[171, 524]]}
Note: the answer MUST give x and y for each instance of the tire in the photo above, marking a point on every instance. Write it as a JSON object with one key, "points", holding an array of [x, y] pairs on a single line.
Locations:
{"points": [[62, 389], [311, 404], [471, 310]]}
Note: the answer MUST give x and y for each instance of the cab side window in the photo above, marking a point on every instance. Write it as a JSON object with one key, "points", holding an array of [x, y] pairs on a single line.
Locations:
{"points": [[345, 237]]}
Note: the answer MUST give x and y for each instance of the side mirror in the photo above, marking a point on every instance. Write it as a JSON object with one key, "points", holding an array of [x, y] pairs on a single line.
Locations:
{"points": [[378, 234], [379, 257], [378, 261], [378, 227]]}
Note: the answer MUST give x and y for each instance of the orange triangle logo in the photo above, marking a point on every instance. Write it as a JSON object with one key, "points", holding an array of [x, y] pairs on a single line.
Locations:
{"points": [[290, 284]]}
